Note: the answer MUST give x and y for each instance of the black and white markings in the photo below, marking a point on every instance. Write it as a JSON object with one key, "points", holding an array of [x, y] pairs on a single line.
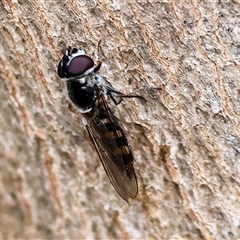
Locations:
{"points": [[88, 91]]}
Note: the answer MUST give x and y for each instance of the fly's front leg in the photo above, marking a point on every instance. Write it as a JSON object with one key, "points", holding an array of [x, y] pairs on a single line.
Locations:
{"points": [[112, 93]]}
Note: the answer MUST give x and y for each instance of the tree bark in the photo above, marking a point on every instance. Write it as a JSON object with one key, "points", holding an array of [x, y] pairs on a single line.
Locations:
{"points": [[185, 139]]}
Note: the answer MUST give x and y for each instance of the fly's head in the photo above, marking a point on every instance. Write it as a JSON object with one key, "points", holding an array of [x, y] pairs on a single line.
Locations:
{"points": [[82, 81], [75, 64]]}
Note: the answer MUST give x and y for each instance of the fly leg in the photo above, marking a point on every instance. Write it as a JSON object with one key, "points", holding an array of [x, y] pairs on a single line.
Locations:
{"points": [[112, 93]]}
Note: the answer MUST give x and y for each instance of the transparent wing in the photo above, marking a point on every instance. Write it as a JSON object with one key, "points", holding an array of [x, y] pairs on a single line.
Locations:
{"points": [[113, 149]]}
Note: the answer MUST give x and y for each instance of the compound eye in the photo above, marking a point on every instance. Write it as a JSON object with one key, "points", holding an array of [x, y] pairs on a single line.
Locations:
{"points": [[79, 65]]}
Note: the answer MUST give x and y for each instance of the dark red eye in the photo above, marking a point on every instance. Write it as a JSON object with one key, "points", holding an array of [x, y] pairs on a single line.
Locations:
{"points": [[79, 65]]}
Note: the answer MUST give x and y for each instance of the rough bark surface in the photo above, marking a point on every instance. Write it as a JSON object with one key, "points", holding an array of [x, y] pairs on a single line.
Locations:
{"points": [[185, 139]]}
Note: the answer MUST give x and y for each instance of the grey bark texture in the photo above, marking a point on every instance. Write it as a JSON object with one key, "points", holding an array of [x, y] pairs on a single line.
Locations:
{"points": [[185, 139]]}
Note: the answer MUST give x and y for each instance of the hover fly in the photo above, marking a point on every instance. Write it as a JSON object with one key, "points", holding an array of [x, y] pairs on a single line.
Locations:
{"points": [[89, 93]]}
